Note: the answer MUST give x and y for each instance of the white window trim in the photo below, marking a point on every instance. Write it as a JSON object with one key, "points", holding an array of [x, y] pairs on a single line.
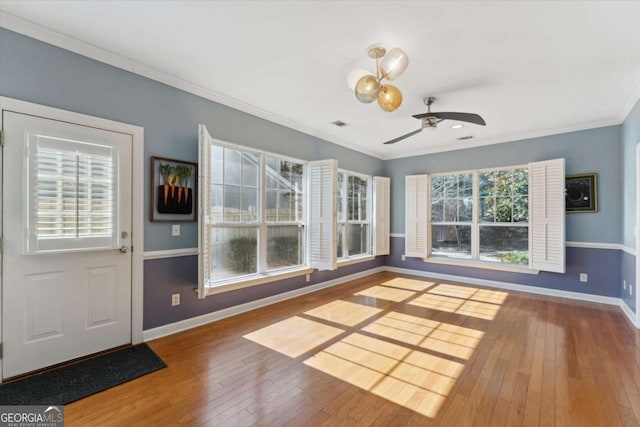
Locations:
{"points": [[205, 286], [368, 255], [415, 197], [256, 279], [475, 225], [355, 259], [481, 264]]}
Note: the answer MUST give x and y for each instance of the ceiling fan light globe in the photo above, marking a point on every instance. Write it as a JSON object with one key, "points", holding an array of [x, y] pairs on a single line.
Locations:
{"points": [[367, 89], [354, 76], [389, 98], [394, 64]]}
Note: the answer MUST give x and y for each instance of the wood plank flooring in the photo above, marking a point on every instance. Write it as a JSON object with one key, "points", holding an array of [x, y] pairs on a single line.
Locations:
{"points": [[390, 350]]}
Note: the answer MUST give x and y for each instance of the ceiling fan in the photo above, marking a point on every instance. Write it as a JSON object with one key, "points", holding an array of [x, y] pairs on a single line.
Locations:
{"points": [[431, 120]]}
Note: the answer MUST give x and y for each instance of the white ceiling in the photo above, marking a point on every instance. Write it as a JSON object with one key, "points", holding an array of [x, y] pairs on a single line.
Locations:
{"points": [[529, 68]]}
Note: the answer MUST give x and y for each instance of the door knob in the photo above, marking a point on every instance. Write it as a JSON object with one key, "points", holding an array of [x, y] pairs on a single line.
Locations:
{"points": [[124, 249]]}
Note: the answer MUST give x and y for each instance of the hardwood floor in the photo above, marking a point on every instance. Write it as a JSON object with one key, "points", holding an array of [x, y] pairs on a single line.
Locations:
{"points": [[389, 350]]}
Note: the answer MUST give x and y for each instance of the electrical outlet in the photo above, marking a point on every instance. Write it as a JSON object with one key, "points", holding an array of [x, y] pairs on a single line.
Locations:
{"points": [[402, 257], [175, 299], [308, 278], [624, 285], [583, 277], [630, 290], [175, 230]]}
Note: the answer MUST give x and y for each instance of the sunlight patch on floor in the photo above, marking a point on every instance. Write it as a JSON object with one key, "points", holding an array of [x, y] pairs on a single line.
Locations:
{"points": [[470, 293], [413, 379], [294, 336], [344, 312], [409, 284], [440, 337], [401, 357], [481, 310], [389, 294]]}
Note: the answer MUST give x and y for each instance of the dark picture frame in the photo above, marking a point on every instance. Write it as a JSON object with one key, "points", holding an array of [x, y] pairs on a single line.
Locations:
{"points": [[581, 193], [174, 190]]}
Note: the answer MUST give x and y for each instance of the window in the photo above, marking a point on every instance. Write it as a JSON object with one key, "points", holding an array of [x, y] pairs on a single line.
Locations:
{"points": [[504, 215], [256, 214], [354, 215], [510, 216], [451, 215], [72, 195], [263, 216], [500, 226]]}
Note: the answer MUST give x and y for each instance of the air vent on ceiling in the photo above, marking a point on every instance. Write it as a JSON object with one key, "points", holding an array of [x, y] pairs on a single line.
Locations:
{"points": [[464, 138], [339, 123]]}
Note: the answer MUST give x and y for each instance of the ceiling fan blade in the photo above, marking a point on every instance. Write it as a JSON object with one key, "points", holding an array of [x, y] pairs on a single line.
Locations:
{"points": [[400, 138], [461, 117]]}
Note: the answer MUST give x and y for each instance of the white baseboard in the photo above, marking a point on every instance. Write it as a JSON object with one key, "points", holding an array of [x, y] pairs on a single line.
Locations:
{"points": [[524, 288], [630, 314], [193, 322], [509, 286]]}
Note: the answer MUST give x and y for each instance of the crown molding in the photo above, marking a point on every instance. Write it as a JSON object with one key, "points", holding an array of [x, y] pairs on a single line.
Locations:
{"points": [[38, 32], [632, 100], [511, 138]]}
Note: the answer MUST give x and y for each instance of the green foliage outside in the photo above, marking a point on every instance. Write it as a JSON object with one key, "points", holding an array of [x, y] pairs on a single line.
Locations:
{"points": [[242, 255], [503, 199], [282, 251], [514, 257]]}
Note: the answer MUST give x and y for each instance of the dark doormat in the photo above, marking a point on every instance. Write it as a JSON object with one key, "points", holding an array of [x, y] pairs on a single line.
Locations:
{"points": [[73, 382]]}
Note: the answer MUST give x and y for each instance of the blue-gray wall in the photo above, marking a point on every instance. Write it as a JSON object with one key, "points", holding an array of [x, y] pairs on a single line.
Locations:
{"points": [[601, 265], [37, 72], [596, 150], [630, 140], [628, 274]]}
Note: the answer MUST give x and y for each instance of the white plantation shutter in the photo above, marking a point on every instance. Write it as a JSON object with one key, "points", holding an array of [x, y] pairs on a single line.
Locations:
{"points": [[547, 215], [381, 214], [322, 214], [416, 231], [204, 209], [72, 194]]}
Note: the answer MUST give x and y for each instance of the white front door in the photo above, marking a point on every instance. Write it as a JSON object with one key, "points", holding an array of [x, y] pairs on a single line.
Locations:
{"points": [[66, 276]]}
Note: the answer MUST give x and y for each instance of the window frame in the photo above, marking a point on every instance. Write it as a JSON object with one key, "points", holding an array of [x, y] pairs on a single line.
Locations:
{"points": [[347, 259], [262, 274], [475, 223], [82, 151]]}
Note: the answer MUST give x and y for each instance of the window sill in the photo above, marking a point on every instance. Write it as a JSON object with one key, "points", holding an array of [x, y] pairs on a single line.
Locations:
{"points": [[480, 264], [348, 261], [256, 280]]}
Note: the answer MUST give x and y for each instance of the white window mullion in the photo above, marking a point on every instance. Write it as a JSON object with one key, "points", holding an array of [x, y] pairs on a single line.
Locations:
{"points": [[262, 217], [475, 218]]}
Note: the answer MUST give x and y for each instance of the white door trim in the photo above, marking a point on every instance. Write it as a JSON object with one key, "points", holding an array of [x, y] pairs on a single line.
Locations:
{"points": [[137, 213]]}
